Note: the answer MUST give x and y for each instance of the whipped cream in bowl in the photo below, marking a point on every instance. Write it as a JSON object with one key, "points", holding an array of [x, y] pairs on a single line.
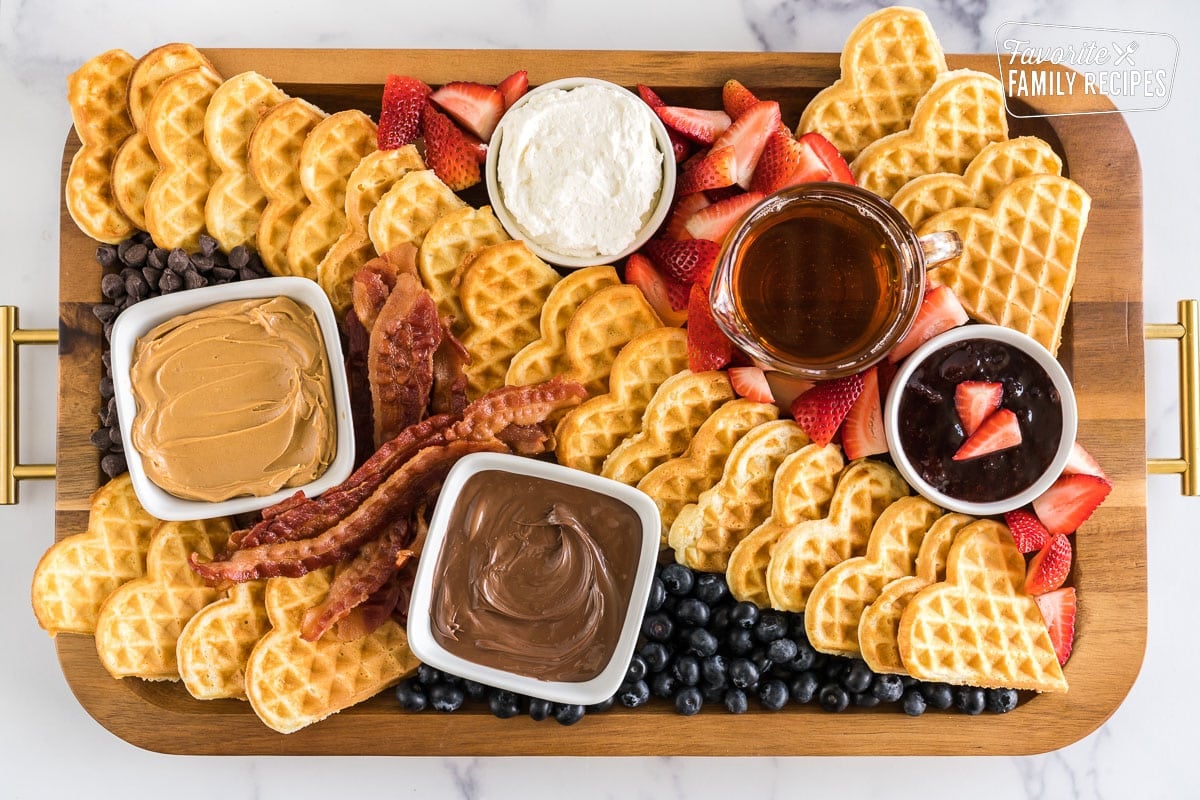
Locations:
{"points": [[582, 170]]}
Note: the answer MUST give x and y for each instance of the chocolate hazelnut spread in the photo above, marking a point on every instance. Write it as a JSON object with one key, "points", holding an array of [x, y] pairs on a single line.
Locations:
{"points": [[234, 399], [535, 576]]}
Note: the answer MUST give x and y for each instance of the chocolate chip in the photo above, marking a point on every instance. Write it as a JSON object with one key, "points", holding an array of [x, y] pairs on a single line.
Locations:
{"points": [[106, 387], [247, 274], [239, 257], [224, 274], [104, 311], [106, 254], [137, 287], [114, 434], [178, 260], [117, 446], [220, 259], [123, 249], [157, 258], [170, 281], [112, 286], [202, 262], [108, 326], [257, 265], [194, 280], [106, 359], [151, 275], [208, 245], [142, 237], [112, 411], [136, 255], [129, 272], [100, 439], [113, 464]]}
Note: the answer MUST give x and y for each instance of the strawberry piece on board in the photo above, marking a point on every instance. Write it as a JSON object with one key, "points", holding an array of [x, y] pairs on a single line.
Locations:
{"points": [[649, 96], [713, 222], [1027, 531], [1058, 610], [751, 383], [975, 401], [748, 136], [698, 124], [862, 432], [1049, 567], [681, 211], [668, 298], [681, 146], [940, 311], [1081, 463], [513, 87], [787, 388], [474, 106], [820, 410], [707, 346], [449, 151], [736, 98], [999, 431], [1070, 500], [785, 162], [400, 111], [686, 261], [827, 153], [714, 171]]}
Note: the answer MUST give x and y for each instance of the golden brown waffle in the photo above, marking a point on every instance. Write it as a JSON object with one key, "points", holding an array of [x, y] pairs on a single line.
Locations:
{"points": [[139, 624], [175, 130], [454, 238], [801, 490], [292, 683], [216, 643], [1019, 256], [706, 532], [274, 158], [406, 211], [996, 166], [97, 93], [979, 627], [807, 550], [502, 291], [890, 60], [837, 601], [77, 574], [881, 620], [589, 432], [672, 417], [373, 176], [680, 481], [960, 115], [235, 202], [331, 151], [135, 164]]}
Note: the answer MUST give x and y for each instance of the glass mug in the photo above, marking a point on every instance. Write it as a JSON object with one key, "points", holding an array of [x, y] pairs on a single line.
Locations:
{"points": [[821, 280]]}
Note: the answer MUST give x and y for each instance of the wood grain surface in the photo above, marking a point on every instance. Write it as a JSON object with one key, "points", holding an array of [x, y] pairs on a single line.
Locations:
{"points": [[1102, 350]]}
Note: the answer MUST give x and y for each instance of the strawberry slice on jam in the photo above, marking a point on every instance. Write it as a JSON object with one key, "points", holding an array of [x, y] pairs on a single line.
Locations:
{"points": [[1000, 431]]}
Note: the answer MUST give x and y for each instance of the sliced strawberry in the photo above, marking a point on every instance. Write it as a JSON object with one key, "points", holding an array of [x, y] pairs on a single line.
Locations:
{"points": [[698, 124], [668, 298], [649, 96], [862, 432], [999, 431], [707, 346], [1029, 533], [1082, 463], [887, 372], [751, 383], [1058, 610], [1069, 501], [449, 151], [681, 212], [825, 150], [785, 162], [681, 146], [513, 87], [821, 409], [975, 401], [940, 311], [713, 222], [686, 261], [748, 136], [474, 106], [787, 388], [1049, 567], [400, 111], [736, 98], [714, 171]]}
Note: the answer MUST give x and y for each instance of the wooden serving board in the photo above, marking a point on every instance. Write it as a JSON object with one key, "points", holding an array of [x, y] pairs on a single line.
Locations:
{"points": [[1102, 350]]}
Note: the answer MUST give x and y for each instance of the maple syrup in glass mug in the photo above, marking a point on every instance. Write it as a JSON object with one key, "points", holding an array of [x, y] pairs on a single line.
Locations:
{"points": [[821, 280]]}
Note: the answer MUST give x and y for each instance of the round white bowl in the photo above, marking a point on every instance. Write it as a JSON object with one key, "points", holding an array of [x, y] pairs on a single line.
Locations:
{"points": [[1019, 341], [666, 192]]}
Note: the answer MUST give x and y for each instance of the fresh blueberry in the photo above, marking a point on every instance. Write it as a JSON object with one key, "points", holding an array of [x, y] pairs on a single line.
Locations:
{"points": [[1001, 701], [833, 698], [633, 694], [713, 670], [658, 627], [687, 670], [719, 621], [474, 689], [656, 655], [773, 694], [692, 611], [856, 676], [638, 668], [688, 701], [701, 642], [771, 625], [782, 650], [736, 702], [603, 705], [833, 667], [937, 695], [428, 675], [740, 641], [803, 687], [411, 695], [569, 713], [969, 700], [445, 697], [914, 702], [504, 704], [744, 614], [658, 593], [712, 694], [743, 673], [805, 656], [711, 588], [539, 709], [678, 579], [866, 700], [662, 684], [888, 688], [762, 660], [908, 681]]}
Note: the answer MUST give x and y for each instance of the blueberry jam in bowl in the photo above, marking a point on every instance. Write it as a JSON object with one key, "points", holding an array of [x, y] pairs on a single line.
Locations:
{"points": [[928, 438]]}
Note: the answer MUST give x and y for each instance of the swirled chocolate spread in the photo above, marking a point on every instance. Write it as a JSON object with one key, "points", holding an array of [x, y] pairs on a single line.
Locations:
{"points": [[534, 576]]}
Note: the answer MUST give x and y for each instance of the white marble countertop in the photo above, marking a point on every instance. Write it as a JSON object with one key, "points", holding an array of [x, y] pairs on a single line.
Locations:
{"points": [[54, 749]]}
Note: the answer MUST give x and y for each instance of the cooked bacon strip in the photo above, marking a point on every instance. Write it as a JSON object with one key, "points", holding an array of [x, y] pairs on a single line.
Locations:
{"points": [[449, 378], [528, 440], [373, 612], [395, 498], [516, 405], [358, 345], [400, 363], [375, 280]]}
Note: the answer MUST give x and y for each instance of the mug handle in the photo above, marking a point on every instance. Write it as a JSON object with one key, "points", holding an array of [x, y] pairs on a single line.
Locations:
{"points": [[939, 247]]}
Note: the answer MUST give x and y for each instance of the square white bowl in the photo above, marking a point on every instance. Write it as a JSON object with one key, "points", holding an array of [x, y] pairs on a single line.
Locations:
{"points": [[139, 319], [420, 634]]}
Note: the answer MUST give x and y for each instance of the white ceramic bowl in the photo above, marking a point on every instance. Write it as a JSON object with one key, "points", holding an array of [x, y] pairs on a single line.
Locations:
{"points": [[662, 205], [139, 319], [420, 634], [1019, 341]]}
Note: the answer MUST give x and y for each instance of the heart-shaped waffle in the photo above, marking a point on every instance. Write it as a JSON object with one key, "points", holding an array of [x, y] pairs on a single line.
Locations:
{"points": [[960, 115], [809, 549], [889, 61], [881, 620], [216, 643], [979, 627], [450, 242], [837, 601], [139, 624], [802, 489], [1019, 256], [408, 210], [996, 166]]}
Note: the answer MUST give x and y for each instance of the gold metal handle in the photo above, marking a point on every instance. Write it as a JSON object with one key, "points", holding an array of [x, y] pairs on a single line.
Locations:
{"points": [[1187, 333], [11, 472]]}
